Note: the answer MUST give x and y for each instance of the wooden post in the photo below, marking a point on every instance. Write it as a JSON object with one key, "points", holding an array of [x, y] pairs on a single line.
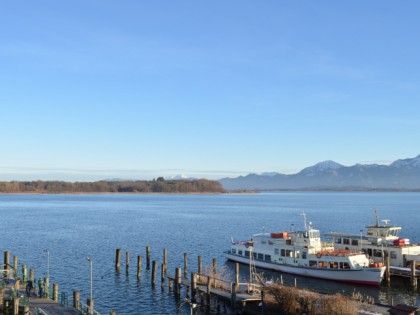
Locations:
{"points": [[162, 276], [90, 303], [15, 267], [113, 313], [24, 274], [208, 291], [387, 268], [200, 265], [236, 273], [76, 299], [165, 256], [295, 283], [32, 275], [154, 268], [127, 262], [16, 306], [214, 271], [26, 310], [118, 259], [413, 274], [193, 286], [147, 257], [55, 292], [233, 295], [6, 263], [185, 264], [177, 284], [139, 259]]}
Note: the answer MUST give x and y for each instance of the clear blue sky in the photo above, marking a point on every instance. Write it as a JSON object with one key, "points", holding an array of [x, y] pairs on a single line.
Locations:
{"points": [[140, 89]]}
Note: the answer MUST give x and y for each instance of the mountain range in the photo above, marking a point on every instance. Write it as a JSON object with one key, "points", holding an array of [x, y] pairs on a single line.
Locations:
{"points": [[402, 174]]}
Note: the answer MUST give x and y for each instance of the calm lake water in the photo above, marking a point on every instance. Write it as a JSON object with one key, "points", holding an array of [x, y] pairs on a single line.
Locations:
{"points": [[73, 227]]}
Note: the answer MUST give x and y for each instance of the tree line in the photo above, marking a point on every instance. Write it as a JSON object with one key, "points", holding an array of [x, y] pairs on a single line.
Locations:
{"points": [[155, 186]]}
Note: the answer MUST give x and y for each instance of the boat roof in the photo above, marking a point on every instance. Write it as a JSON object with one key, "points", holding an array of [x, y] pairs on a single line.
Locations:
{"points": [[338, 234]]}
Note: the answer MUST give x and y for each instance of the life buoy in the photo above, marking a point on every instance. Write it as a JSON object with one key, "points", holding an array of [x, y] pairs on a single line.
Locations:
{"points": [[318, 255]]}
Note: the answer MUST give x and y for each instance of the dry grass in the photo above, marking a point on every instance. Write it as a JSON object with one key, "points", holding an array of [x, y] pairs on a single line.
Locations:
{"points": [[291, 300]]}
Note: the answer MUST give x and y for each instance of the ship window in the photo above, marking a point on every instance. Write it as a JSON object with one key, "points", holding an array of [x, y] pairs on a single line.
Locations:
{"points": [[303, 255], [312, 263], [260, 256], [323, 264], [393, 255], [240, 252], [355, 242], [338, 240], [267, 257], [276, 251], [288, 253], [297, 255], [247, 253], [369, 251], [283, 252], [233, 251], [344, 265], [377, 253], [346, 241]]}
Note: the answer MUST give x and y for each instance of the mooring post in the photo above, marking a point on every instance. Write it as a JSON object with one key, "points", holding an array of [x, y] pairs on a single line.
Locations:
{"points": [[24, 273], [214, 271], [193, 286], [177, 284], [387, 268], [26, 310], [200, 265], [6, 263], [413, 274], [208, 291], [113, 313], [55, 292], [118, 259], [139, 259], [233, 295], [127, 262], [76, 300], [32, 275], [165, 256], [16, 306], [15, 267], [162, 276], [295, 283], [90, 303], [185, 264], [147, 257], [154, 268]]}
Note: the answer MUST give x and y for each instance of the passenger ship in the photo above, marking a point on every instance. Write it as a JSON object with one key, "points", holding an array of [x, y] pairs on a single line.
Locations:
{"points": [[301, 253], [379, 240]]}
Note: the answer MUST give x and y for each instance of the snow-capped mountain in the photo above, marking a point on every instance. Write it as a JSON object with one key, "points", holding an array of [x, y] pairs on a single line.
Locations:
{"points": [[402, 174]]}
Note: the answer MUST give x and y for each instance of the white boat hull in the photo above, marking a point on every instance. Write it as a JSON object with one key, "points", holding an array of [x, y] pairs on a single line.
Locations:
{"points": [[370, 276]]}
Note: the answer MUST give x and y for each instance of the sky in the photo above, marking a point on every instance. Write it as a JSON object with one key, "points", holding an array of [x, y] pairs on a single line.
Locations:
{"points": [[93, 90]]}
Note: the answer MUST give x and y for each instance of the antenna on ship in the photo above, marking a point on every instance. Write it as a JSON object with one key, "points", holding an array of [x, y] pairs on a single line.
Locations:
{"points": [[377, 218], [307, 224]]}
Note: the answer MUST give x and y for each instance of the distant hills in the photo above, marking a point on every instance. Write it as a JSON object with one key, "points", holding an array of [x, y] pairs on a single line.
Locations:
{"points": [[402, 174]]}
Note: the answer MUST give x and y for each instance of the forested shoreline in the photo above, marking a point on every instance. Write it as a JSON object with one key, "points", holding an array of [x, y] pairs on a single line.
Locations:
{"points": [[155, 186]]}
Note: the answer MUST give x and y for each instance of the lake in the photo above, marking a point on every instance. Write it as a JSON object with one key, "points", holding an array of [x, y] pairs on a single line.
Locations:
{"points": [[73, 227]]}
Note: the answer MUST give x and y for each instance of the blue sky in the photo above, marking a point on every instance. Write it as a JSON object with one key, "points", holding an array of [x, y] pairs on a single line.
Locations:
{"points": [[139, 89]]}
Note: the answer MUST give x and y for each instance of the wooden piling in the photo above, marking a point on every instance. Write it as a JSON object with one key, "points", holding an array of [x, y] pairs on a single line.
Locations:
{"points": [[127, 262], [154, 268], [177, 282], [208, 287], [91, 304], [76, 300], [24, 273], [200, 265], [139, 259], [147, 257], [413, 274], [295, 283], [16, 306], [113, 313], [185, 264], [32, 275], [118, 259], [55, 292], [165, 256], [15, 267], [233, 295], [193, 286], [6, 263], [387, 268], [162, 276], [214, 271]]}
